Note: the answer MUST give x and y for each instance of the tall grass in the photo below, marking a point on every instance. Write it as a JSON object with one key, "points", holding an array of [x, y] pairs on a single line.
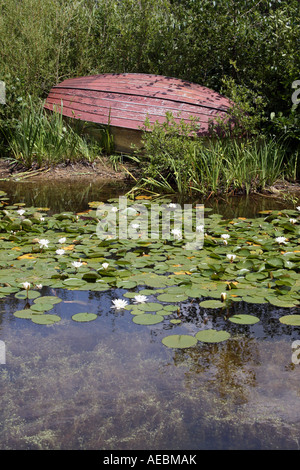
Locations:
{"points": [[46, 139], [180, 163]]}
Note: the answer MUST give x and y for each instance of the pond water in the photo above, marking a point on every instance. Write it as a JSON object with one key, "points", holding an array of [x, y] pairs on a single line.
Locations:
{"points": [[111, 384]]}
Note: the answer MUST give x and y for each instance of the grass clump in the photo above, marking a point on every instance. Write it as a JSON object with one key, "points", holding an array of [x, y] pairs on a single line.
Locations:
{"points": [[180, 161], [39, 139]]}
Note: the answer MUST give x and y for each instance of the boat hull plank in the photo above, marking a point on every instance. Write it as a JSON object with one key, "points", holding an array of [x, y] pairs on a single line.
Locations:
{"points": [[126, 100]]}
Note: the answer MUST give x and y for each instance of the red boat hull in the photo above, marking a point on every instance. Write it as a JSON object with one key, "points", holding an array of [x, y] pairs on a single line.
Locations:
{"points": [[124, 101]]}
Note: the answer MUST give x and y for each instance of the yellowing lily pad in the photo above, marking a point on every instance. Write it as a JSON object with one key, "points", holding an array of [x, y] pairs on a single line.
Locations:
{"points": [[293, 320]]}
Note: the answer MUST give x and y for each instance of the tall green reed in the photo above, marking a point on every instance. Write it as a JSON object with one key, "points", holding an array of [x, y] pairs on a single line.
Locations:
{"points": [[41, 138], [179, 161]]}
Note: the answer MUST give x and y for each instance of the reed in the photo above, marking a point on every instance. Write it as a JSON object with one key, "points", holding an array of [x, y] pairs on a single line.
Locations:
{"points": [[45, 139], [179, 163]]}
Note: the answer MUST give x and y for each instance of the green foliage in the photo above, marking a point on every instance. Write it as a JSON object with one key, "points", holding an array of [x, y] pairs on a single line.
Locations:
{"points": [[179, 161], [39, 139], [246, 49]]}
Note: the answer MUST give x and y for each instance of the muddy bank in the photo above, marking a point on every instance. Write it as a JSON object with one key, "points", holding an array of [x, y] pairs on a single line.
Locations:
{"points": [[101, 169]]}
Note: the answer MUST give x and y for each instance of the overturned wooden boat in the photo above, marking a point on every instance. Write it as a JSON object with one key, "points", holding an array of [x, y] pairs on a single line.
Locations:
{"points": [[124, 101]]}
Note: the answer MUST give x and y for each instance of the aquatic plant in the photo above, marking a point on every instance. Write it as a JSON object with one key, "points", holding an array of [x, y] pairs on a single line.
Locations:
{"points": [[39, 139], [180, 161], [248, 260]]}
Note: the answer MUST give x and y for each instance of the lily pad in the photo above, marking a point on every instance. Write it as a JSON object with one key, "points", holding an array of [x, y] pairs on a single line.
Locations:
{"points": [[41, 306], [27, 313], [293, 320], [45, 319], [211, 304], [48, 299], [285, 303], [244, 319], [74, 282], [84, 317], [212, 336], [147, 319], [172, 297], [32, 294], [150, 306], [179, 341]]}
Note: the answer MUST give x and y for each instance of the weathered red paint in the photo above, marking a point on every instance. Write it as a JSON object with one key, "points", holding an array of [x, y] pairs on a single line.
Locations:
{"points": [[126, 100]]}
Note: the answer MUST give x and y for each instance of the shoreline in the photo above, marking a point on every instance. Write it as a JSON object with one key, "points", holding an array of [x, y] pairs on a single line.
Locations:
{"points": [[102, 170]]}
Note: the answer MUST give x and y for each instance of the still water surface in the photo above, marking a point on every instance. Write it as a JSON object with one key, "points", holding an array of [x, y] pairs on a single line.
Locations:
{"points": [[112, 385]]}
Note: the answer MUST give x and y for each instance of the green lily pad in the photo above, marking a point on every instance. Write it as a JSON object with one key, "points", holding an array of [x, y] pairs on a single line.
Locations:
{"points": [[41, 307], [244, 319], [48, 299], [74, 282], [172, 297], [254, 300], [27, 313], [293, 320], [179, 341], [212, 336], [84, 317], [170, 308], [285, 303], [45, 319], [150, 306], [147, 319], [137, 311], [32, 294], [211, 304]]}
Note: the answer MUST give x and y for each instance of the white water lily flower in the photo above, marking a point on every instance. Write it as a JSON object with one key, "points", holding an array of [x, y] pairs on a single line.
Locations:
{"points": [[293, 221], [105, 265], [200, 228], [114, 209], [135, 225], [42, 219], [21, 211], [225, 236], [298, 208], [62, 240], [60, 252], [26, 285], [39, 286], [44, 243], [176, 232], [119, 304], [140, 299], [231, 257], [76, 264], [281, 240], [172, 205]]}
